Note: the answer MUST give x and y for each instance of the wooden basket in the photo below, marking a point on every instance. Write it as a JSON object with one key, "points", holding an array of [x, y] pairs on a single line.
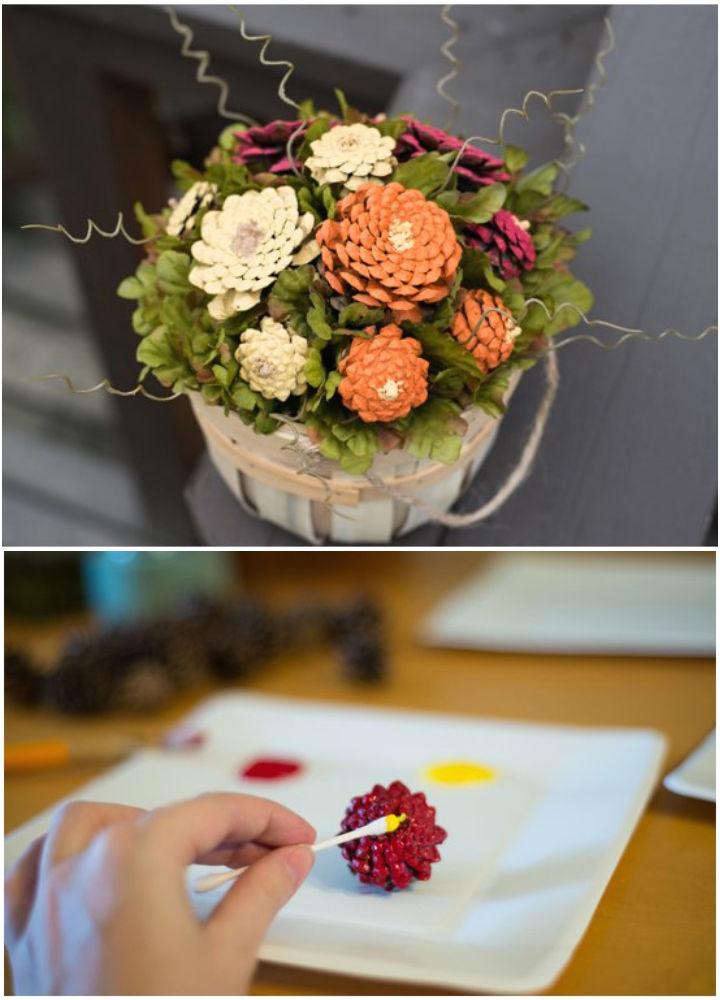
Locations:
{"points": [[263, 473]]}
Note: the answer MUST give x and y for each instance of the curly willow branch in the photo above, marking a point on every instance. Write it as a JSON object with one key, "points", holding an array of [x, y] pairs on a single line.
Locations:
{"points": [[588, 101], [92, 227], [266, 39], [202, 56], [628, 332], [522, 112], [139, 390], [455, 64], [281, 91]]}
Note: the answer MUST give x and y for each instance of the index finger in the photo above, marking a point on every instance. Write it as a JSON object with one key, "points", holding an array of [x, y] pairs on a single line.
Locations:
{"points": [[188, 830]]}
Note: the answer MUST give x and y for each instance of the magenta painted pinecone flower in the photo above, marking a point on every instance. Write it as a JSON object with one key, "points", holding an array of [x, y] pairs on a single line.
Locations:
{"points": [[506, 241], [393, 860], [265, 146], [475, 168]]}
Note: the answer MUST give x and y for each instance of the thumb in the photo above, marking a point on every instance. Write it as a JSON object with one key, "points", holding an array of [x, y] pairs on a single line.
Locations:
{"points": [[248, 909]]}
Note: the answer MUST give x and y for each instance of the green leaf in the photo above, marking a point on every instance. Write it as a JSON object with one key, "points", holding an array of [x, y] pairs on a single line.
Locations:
{"points": [[264, 424], [358, 316], [539, 181], [561, 205], [184, 174], [574, 293], [155, 350], [479, 207], [431, 434], [227, 139], [130, 288], [243, 397], [317, 317], [331, 448], [289, 299], [146, 275], [306, 110], [331, 384], [225, 374], [342, 103], [211, 393], [515, 159], [425, 173], [317, 128], [148, 225], [391, 126], [490, 395], [355, 465], [443, 348], [328, 201], [172, 272], [314, 370], [140, 324]]}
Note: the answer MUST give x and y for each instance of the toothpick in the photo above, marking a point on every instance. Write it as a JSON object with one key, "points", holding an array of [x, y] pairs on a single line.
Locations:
{"points": [[386, 824]]}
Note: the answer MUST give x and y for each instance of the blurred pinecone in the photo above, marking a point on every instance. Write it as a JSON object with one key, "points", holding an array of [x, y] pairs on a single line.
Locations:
{"points": [[356, 633], [23, 683]]}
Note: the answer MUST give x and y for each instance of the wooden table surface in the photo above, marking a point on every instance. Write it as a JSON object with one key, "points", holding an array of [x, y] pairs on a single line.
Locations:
{"points": [[654, 930]]}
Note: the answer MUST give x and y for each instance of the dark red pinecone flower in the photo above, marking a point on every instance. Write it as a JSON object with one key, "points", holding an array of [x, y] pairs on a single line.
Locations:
{"points": [[392, 860], [266, 145], [509, 247], [475, 168]]}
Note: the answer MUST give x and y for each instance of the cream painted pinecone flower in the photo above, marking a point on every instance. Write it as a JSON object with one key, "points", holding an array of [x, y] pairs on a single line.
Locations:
{"points": [[351, 155], [272, 360], [181, 219], [246, 244]]}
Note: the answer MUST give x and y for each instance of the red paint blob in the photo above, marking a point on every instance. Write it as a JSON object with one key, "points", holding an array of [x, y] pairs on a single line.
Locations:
{"points": [[270, 769]]}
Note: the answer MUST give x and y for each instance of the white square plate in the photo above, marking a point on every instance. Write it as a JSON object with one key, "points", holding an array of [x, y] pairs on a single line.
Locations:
{"points": [[695, 777], [597, 604], [526, 861]]}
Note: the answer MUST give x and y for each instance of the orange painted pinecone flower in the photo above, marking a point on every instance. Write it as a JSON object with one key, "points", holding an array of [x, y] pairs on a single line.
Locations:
{"points": [[385, 377], [491, 339], [390, 247]]}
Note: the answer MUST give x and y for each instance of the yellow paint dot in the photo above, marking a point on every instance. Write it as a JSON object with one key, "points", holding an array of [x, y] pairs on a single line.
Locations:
{"points": [[459, 772], [393, 822]]}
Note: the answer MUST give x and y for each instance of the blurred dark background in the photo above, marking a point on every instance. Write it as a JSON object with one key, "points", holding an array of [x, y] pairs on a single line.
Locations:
{"points": [[98, 100]]}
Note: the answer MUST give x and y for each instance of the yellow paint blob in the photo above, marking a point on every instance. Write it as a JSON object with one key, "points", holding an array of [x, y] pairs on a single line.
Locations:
{"points": [[393, 822], [459, 772]]}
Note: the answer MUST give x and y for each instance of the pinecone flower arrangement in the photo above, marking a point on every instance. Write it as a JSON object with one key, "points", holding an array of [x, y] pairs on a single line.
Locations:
{"points": [[393, 860], [365, 278]]}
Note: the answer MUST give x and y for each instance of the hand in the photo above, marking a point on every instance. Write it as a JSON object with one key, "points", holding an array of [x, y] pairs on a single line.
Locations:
{"points": [[99, 904]]}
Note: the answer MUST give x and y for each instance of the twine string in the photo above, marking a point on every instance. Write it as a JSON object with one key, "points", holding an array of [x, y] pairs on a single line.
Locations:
{"points": [[515, 478]]}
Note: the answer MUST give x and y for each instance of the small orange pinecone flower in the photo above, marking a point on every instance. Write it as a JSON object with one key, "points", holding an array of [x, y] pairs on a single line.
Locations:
{"points": [[391, 248], [384, 376], [491, 339]]}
